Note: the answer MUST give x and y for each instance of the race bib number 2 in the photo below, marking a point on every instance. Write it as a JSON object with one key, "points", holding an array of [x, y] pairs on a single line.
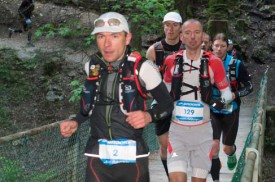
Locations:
{"points": [[187, 111], [117, 151]]}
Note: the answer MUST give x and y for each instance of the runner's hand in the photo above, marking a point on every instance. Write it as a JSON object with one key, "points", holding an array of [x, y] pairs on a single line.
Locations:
{"points": [[138, 119], [68, 127]]}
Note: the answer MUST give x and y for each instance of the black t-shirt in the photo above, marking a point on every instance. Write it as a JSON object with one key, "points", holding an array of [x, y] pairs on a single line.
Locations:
{"points": [[172, 48], [26, 8]]}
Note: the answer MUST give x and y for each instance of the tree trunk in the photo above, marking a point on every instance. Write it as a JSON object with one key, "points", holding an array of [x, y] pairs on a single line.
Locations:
{"points": [[136, 42], [218, 17], [182, 5], [217, 26]]}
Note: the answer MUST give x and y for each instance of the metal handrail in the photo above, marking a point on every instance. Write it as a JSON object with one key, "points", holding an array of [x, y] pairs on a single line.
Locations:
{"points": [[28, 133], [252, 171]]}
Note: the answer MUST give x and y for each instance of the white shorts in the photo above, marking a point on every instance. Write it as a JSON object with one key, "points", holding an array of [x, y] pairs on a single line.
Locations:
{"points": [[190, 145]]}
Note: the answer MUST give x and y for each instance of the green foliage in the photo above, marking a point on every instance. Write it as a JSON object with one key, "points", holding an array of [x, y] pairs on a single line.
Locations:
{"points": [[89, 40], [269, 143], [241, 25], [76, 92], [3, 118], [11, 67], [28, 64], [218, 9], [47, 30], [147, 13], [70, 28], [12, 172], [13, 82], [261, 55], [8, 71], [52, 67]]}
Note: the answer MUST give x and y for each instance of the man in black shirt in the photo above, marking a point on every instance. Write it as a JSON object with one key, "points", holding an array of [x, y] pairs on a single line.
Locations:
{"points": [[158, 52], [25, 12]]}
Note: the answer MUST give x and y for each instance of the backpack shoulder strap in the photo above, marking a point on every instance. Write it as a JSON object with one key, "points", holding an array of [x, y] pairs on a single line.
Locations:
{"points": [[158, 46], [233, 68], [159, 53], [139, 60], [177, 75], [205, 84]]}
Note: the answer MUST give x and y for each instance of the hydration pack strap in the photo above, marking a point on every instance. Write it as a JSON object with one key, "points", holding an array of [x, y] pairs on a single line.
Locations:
{"points": [[137, 57], [194, 89], [205, 84], [232, 69], [177, 77], [159, 51]]}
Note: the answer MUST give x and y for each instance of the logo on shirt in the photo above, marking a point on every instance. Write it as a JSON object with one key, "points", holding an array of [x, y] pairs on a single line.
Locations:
{"points": [[174, 154]]}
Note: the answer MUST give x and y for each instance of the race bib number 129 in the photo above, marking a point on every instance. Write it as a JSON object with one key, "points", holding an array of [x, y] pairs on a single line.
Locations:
{"points": [[187, 111]]}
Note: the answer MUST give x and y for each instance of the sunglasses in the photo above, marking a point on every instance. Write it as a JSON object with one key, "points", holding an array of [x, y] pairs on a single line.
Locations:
{"points": [[110, 22]]}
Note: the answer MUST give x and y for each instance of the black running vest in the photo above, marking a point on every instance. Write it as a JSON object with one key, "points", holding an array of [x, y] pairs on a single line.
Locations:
{"points": [[131, 96]]}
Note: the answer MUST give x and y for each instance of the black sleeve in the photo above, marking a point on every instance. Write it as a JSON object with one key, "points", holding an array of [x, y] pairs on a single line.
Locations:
{"points": [[164, 106], [239, 56], [80, 118], [245, 86], [86, 101]]}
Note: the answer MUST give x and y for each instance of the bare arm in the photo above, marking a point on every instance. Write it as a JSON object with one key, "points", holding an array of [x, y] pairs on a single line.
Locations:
{"points": [[150, 54]]}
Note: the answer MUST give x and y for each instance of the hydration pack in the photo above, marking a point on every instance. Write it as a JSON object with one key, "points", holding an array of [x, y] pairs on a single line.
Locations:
{"points": [[204, 78], [161, 54], [231, 66], [132, 95]]}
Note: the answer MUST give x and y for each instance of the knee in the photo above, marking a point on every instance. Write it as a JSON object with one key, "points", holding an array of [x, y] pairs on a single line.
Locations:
{"points": [[163, 149], [216, 148], [228, 149], [163, 141]]}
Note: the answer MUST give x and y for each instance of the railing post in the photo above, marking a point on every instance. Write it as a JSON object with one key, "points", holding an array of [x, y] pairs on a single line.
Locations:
{"points": [[252, 171]]}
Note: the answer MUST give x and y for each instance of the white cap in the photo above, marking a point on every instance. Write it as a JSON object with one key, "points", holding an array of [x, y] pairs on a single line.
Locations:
{"points": [[172, 16], [230, 42], [120, 23]]}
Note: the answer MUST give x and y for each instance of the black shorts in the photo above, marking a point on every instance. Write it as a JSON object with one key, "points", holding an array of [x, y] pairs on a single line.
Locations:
{"points": [[163, 125], [227, 124], [97, 171]]}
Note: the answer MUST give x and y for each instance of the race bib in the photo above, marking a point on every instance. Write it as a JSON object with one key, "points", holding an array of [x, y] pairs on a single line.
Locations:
{"points": [[117, 151], [189, 112]]}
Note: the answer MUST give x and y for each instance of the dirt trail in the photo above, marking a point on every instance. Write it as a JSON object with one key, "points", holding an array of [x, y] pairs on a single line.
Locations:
{"points": [[18, 41]]}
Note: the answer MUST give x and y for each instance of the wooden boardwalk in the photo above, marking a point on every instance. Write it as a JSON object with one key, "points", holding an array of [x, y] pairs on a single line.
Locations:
{"points": [[157, 173]]}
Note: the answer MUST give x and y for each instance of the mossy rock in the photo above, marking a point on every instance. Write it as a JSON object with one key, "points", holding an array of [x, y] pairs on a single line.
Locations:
{"points": [[261, 55], [241, 25]]}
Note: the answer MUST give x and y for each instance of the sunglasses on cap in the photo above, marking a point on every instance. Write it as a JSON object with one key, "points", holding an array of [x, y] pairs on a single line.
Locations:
{"points": [[110, 22]]}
